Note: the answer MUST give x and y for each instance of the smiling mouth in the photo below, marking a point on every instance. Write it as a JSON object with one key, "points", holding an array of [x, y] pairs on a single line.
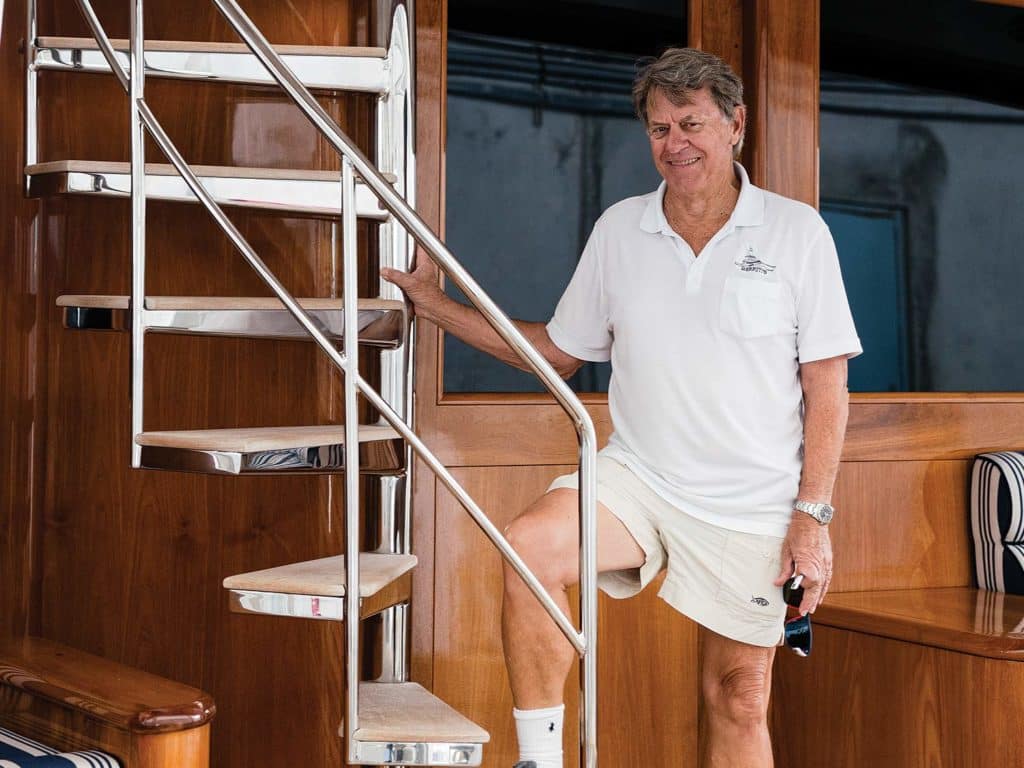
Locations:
{"points": [[683, 163]]}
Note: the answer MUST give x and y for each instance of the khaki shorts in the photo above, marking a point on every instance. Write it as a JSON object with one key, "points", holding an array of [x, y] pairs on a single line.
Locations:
{"points": [[722, 579]]}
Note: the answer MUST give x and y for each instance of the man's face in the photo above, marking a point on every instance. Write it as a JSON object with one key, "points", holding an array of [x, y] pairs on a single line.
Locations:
{"points": [[692, 145]]}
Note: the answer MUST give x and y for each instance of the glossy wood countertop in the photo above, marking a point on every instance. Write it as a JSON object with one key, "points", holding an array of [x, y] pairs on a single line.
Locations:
{"points": [[961, 619]]}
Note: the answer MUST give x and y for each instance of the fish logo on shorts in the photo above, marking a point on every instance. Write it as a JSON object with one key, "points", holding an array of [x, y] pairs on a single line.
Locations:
{"points": [[759, 601]]}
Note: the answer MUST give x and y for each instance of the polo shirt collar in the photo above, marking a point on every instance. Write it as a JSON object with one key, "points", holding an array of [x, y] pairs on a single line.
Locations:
{"points": [[749, 210]]}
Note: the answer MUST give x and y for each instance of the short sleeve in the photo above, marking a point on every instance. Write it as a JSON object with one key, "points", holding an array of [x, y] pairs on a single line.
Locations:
{"points": [[824, 323], [580, 325]]}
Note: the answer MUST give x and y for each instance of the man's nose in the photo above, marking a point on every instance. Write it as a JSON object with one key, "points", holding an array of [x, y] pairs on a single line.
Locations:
{"points": [[677, 140]]}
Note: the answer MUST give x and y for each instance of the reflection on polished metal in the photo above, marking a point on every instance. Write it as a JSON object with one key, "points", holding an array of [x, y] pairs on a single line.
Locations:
{"points": [[308, 193], [315, 589], [350, 69], [202, 451], [396, 753], [394, 152], [381, 324], [394, 644], [294, 606]]}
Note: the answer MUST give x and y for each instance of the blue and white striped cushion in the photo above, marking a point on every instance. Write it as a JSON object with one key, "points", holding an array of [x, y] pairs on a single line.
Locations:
{"points": [[997, 521], [17, 751]]}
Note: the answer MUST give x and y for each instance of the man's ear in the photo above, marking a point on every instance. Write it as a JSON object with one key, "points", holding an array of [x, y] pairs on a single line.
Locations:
{"points": [[739, 122]]}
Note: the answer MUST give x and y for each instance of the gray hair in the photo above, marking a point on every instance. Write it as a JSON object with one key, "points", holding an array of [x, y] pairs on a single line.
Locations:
{"points": [[678, 72]]}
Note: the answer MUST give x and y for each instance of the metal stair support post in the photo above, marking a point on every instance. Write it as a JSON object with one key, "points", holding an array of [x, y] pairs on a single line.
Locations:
{"points": [[394, 153], [137, 85], [349, 255], [31, 86]]}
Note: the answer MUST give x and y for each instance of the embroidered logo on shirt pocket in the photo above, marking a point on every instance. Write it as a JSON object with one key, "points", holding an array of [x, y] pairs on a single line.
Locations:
{"points": [[752, 308]]}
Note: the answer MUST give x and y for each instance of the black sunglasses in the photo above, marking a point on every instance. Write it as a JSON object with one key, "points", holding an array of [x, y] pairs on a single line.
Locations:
{"points": [[797, 631]]}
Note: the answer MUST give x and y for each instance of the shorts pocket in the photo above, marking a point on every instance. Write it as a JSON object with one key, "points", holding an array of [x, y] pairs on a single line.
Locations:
{"points": [[750, 563], [753, 308]]}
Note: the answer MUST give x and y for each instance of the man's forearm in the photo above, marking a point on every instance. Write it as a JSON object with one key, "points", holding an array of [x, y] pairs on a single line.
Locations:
{"points": [[826, 410], [469, 325]]}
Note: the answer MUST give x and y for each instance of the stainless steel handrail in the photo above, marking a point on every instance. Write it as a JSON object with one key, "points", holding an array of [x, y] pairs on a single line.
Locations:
{"points": [[498, 320], [584, 641]]}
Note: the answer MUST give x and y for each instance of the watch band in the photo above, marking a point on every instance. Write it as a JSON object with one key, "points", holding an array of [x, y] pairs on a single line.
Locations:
{"points": [[820, 511]]}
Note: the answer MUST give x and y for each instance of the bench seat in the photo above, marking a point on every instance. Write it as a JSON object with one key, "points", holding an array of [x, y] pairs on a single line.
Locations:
{"points": [[17, 751]]}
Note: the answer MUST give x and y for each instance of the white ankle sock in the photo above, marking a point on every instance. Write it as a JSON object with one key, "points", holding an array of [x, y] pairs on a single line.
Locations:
{"points": [[540, 735]]}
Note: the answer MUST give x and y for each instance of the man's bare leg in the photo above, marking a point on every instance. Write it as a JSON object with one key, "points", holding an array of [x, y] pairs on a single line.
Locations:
{"points": [[537, 655], [736, 679]]}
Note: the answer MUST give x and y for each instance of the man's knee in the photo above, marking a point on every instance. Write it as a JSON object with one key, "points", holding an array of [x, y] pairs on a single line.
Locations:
{"points": [[738, 692], [546, 544]]}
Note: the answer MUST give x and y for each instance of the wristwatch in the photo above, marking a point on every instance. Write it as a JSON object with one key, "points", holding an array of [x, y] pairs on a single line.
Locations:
{"points": [[818, 510]]}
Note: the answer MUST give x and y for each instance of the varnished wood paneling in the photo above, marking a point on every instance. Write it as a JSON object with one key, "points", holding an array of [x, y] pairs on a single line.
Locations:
{"points": [[647, 652], [862, 700], [939, 427], [189, 749], [716, 26], [496, 429], [431, 62], [22, 341], [900, 525]]}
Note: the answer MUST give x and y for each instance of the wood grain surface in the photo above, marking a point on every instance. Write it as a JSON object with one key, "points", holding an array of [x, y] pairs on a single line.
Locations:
{"points": [[124, 697], [408, 712], [861, 700], [325, 575], [901, 525]]}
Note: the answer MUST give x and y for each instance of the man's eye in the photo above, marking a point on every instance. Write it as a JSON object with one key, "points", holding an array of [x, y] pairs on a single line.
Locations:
{"points": [[659, 131], [693, 126]]}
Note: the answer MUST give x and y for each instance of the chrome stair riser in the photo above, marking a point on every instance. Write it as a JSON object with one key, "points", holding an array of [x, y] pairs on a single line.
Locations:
{"points": [[365, 74], [380, 457], [432, 754], [377, 328], [300, 197]]}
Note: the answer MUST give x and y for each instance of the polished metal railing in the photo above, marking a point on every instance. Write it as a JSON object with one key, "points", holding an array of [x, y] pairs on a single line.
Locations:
{"points": [[355, 163]]}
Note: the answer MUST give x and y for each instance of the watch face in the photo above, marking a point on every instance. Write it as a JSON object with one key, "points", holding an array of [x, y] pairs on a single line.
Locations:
{"points": [[825, 513]]}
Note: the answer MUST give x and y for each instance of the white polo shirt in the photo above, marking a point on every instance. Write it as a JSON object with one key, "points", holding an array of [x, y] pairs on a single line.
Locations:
{"points": [[705, 392]]}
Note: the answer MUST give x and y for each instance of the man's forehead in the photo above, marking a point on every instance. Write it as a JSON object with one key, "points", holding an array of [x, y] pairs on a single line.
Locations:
{"points": [[662, 107]]}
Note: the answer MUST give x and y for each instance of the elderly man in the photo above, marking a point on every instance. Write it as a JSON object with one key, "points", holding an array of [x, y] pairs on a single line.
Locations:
{"points": [[723, 312]]}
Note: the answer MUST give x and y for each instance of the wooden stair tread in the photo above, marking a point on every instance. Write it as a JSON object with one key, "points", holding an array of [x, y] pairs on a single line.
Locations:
{"points": [[251, 439], [208, 171], [218, 303], [125, 697], [962, 619], [191, 46], [325, 576], [407, 712]]}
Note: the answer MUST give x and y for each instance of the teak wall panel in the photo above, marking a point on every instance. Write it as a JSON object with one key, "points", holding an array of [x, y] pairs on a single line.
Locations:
{"points": [[22, 341], [647, 652], [901, 525]]}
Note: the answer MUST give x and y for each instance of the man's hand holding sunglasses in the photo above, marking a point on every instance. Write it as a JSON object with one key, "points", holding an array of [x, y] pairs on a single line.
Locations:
{"points": [[807, 550]]}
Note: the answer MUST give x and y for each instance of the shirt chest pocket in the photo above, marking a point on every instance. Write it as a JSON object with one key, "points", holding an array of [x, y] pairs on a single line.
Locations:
{"points": [[752, 308]]}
